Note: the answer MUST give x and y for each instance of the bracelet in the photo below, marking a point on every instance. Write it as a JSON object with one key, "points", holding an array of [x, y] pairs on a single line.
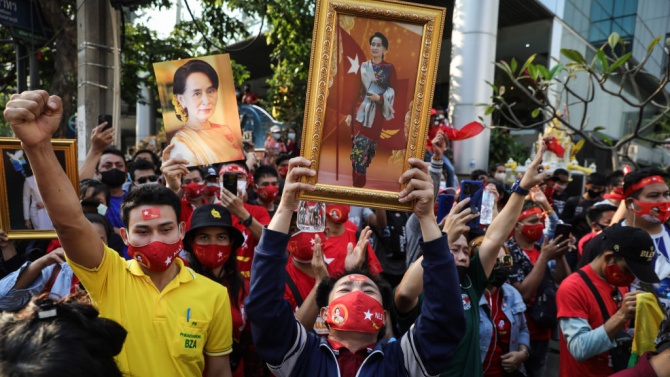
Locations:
{"points": [[248, 221], [525, 351]]}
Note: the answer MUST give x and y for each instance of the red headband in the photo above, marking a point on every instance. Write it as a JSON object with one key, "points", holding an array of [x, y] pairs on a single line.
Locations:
{"points": [[644, 182], [530, 212], [232, 169]]}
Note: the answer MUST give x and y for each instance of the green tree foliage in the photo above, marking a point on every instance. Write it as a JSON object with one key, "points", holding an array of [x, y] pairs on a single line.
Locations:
{"points": [[503, 146]]}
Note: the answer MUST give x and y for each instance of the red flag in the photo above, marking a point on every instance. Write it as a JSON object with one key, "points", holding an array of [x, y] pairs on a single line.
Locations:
{"points": [[347, 84], [554, 146], [151, 213], [471, 129]]}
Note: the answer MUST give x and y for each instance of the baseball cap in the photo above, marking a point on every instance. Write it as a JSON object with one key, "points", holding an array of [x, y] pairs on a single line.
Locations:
{"points": [[635, 246], [210, 171], [213, 215], [275, 129]]}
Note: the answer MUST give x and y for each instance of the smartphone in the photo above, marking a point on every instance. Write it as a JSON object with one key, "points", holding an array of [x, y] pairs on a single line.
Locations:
{"points": [[230, 182], [102, 118], [444, 204], [474, 191], [563, 230]]}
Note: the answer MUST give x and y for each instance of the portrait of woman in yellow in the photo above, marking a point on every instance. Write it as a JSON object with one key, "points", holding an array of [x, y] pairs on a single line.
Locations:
{"points": [[195, 96]]}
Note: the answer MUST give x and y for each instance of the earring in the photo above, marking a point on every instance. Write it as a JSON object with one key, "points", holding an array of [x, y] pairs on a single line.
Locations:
{"points": [[180, 112]]}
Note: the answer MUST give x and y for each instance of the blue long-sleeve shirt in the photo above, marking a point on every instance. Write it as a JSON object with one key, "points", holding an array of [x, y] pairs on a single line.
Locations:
{"points": [[290, 350]]}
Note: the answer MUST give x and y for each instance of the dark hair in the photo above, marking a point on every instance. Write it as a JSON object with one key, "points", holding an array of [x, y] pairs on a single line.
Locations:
{"points": [[140, 164], [596, 179], [98, 187], [595, 212], [528, 204], [96, 218], [150, 195], [74, 342], [614, 177], [477, 173], [111, 150], [494, 167], [193, 66], [154, 157], [265, 171], [636, 176], [385, 41], [195, 168], [282, 157], [326, 286]]}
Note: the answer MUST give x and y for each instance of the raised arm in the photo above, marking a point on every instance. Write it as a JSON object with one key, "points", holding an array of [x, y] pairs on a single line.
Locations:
{"points": [[502, 225], [34, 116], [100, 140]]}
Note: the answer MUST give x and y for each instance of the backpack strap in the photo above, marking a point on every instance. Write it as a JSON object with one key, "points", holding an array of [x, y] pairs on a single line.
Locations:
{"points": [[52, 279], [294, 290], [597, 296]]}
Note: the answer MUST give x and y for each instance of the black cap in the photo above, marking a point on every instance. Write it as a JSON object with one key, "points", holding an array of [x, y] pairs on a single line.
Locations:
{"points": [[635, 246], [213, 215]]}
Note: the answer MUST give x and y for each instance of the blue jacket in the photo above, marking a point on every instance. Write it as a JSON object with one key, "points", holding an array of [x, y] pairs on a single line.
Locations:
{"points": [[290, 350], [514, 309]]}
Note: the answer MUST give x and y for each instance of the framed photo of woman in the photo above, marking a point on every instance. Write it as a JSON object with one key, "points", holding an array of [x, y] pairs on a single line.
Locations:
{"points": [[22, 214], [370, 91], [200, 109]]}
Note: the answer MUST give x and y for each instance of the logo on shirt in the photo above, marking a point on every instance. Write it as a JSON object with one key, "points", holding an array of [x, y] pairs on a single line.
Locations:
{"points": [[466, 301]]}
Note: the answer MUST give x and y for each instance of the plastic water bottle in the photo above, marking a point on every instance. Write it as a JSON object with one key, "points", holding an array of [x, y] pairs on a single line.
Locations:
{"points": [[472, 164], [486, 215]]}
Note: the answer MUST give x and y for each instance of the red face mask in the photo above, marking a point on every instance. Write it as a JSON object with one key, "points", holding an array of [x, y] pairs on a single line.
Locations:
{"points": [[282, 170], [655, 212], [338, 213], [212, 256], [194, 190], [616, 277], [156, 256], [301, 245], [533, 231], [549, 193], [268, 193], [355, 311], [212, 189]]}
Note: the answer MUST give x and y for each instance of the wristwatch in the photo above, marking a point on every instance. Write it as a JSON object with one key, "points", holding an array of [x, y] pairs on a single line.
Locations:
{"points": [[516, 188], [248, 221]]}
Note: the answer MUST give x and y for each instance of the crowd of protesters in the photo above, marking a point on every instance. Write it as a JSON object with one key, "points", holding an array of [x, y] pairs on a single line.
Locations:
{"points": [[161, 269]]}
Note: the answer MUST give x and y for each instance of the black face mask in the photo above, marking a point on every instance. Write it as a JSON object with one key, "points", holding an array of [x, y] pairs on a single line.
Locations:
{"points": [[462, 272], [593, 194], [499, 276], [113, 177]]}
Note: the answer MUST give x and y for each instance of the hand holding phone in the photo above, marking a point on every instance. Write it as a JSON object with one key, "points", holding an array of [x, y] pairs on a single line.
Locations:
{"points": [[102, 118], [230, 182], [563, 230]]}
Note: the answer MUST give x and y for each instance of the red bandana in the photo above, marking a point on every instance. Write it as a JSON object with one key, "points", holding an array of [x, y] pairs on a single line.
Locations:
{"points": [[530, 212], [644, 182]]}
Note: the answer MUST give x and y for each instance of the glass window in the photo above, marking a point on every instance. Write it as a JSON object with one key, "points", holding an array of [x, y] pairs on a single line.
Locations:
{"points": [[630, 7], [599, 12], [608, 16]]}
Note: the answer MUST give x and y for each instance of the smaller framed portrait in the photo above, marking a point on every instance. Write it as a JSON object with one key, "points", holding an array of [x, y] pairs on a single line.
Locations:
{"points": [[23, 215], [200, 109], [371, 82]]}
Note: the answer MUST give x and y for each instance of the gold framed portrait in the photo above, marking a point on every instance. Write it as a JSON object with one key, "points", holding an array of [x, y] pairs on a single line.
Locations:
{"points": [[370, 90], [22, 214]]}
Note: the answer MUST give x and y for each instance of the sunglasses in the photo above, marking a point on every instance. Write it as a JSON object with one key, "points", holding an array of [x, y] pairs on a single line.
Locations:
{"points": [[143, 180], [505, 261]]}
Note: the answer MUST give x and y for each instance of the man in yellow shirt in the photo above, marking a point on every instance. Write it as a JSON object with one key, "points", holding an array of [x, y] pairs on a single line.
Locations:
{"points": [[178, 322]]}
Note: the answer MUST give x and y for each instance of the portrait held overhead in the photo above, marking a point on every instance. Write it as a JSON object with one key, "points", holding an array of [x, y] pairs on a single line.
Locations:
{"points": [[200, 109], [377, 94]]}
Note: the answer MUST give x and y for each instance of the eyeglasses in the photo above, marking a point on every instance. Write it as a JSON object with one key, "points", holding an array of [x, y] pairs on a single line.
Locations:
{"points": [[143, 180], [505, 261]]}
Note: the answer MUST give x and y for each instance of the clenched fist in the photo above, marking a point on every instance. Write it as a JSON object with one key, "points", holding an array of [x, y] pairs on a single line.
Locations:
{"points": [[34, 116]]}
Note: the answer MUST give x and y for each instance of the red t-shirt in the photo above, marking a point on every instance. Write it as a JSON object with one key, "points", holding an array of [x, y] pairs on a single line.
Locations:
{"points": [[245, 253], [239, 323], [304, 283], [499, 344], [335, 251], [575, 300], [583, 241]]}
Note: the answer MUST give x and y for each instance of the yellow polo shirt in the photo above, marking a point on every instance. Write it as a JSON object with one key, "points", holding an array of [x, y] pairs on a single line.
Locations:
{"points": [[168, 332]]}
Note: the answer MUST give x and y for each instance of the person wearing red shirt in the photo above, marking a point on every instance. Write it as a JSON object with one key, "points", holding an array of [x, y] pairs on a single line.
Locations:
{"points": [[250, 219], [529, 271], [338, 237], [586, 336], [187, 182]]}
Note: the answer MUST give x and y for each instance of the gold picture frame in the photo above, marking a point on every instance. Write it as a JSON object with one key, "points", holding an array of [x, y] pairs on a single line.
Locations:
{"points": [[15, 168], [352, 66]]}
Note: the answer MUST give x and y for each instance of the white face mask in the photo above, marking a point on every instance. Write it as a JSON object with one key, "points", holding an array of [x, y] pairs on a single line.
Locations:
{"points": [[443, 185], [276, 136], [102, 209], [500, 177], [291, 136], [241, 187]]}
